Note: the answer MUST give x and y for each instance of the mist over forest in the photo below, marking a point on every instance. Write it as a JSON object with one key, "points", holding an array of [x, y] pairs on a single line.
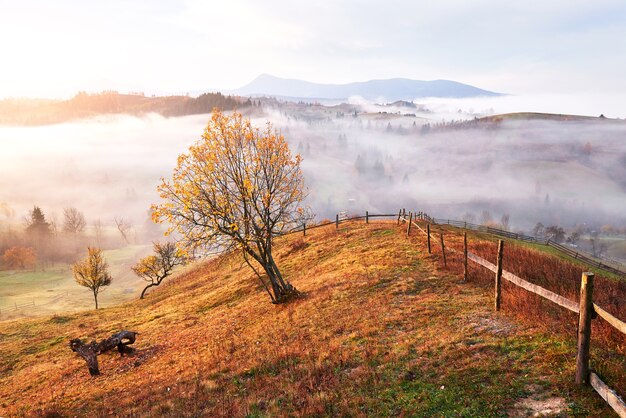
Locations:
{"points": [[357, 156]]}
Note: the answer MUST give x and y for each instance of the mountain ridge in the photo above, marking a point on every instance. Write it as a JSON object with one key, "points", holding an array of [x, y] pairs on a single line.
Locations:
{"points": [[391, 89]]}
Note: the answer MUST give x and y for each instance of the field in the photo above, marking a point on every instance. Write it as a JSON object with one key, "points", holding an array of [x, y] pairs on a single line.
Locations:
{"points": [[53, 289], [382, 329]]}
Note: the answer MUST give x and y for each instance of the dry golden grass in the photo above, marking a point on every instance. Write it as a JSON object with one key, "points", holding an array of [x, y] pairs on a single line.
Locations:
{"points": [[381, 330]]}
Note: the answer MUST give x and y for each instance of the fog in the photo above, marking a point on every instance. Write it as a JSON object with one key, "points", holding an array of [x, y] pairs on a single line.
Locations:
{"points": [[105, 167], [567, 173], [611, 106], [564, 173]]}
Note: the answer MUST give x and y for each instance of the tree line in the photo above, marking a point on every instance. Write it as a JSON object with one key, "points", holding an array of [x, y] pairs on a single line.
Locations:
{"points": [[83, 105]]}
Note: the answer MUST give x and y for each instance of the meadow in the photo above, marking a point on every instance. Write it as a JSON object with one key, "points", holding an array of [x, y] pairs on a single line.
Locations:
{"points": [[52, 289]]}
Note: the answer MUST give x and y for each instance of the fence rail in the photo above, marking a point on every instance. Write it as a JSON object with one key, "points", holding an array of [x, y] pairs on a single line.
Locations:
{"points": [[616, 268], [585, 309], [608, 394]]}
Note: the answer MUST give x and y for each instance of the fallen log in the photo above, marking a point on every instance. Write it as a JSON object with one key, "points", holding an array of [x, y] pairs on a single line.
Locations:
{"points": [[89, 352]]}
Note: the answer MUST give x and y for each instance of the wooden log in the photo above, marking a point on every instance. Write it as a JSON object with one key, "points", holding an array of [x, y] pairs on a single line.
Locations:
{"points": [[465, 273], [498, 286], [443, 250], [428, 238], [89, 352], [584, 328], [609, 395]]}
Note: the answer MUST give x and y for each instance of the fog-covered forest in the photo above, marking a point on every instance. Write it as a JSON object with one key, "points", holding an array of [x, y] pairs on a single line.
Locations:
{"points": [[514, 171]]}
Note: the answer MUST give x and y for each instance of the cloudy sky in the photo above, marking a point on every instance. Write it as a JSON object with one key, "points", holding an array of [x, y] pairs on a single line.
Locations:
{"points": [[55, 48]]}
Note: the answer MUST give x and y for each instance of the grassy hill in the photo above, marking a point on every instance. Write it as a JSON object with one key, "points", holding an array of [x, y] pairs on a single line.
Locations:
{"points": [[382, 330], [544, 116], [33, 112]]}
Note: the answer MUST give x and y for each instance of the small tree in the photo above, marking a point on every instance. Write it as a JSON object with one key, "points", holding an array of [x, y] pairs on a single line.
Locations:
{"points": [[555, 233], [155, 268], [36, 223], [237, 188], [124, 226], [73, 221], [39, 230], [19, 258], [92, 272]]}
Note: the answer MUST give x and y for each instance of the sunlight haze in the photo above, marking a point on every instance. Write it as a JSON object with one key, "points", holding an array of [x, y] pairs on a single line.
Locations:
{"points": [[54, 49]]}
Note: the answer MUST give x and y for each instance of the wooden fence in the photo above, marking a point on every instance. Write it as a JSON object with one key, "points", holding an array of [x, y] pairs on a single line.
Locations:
{"points": [[585, 308], [616, 268], [33, 305]]}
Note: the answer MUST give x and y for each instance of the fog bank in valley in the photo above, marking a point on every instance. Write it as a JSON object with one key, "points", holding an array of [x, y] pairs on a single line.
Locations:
{"points": [[105, 167], [357, 157]]}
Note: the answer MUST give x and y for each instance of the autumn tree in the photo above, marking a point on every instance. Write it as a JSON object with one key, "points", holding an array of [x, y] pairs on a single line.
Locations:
{"points": [[73, 221], [236, 189], [155, 268], [92, 272], [19, 258]]}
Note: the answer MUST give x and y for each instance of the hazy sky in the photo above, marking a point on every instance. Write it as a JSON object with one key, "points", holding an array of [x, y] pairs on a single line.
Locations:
{"points": [[55, 48]]}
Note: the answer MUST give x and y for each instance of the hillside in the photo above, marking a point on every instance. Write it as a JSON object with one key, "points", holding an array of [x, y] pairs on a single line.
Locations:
{"points": [[32, 112], [382, 330], [390, 89]]}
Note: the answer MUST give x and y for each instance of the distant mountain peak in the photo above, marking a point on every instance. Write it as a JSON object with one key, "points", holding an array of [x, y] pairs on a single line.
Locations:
{"points": [[391, 90]]}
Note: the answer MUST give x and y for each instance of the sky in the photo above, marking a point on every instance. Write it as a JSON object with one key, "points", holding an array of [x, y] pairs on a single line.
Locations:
{"points": [[555, 47]]}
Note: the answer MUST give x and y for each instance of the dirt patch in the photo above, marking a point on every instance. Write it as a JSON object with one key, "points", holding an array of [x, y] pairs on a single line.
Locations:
{"points": [[529, 407], [492, 324]]}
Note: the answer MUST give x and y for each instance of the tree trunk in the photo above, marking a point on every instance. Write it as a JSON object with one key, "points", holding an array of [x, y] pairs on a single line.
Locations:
{"points": [[89, 352], [282, 290], [143, 292], [95, 297]]}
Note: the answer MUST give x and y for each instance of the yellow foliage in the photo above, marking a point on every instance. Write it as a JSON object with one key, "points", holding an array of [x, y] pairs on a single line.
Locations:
{"points": [[235, 185]]}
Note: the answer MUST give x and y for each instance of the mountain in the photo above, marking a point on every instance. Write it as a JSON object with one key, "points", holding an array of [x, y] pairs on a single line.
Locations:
{"points": [[390, 90]]}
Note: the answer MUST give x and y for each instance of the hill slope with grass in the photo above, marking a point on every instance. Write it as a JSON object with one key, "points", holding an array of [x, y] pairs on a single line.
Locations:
{"points": [[382, 329]]}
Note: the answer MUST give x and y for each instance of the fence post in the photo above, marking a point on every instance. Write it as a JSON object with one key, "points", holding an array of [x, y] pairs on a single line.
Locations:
{"points": [[304, 229], [408, 227], [443, 250], [428, 237], [337, 221], [465, 256], [404, 212], [584, 328], [499, 275], [399, 214], [367, 217]]}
